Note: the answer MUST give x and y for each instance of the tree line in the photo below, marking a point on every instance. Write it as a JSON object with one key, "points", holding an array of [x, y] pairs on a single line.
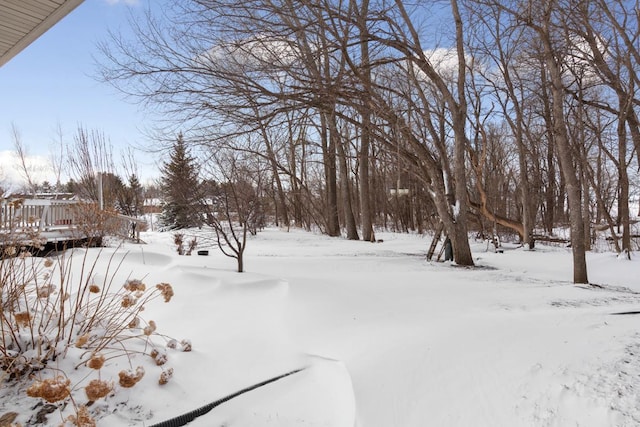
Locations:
{"points": [[519, 116]]}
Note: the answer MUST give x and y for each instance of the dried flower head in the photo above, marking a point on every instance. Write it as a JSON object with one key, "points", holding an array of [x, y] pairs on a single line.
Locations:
{"points": [[22, 319], [186, 345], [51, 389], [128, 301], [135, 323], [134, 285], [150, 328], [82, 340], [82, 418], [96, 361], [172, 343], [38, 242], [165, 376], [129, 378], [48, 262], [10, 250], [94, 289], [166, 290], [45, 291], [25, 254], [158, 357], [97, 389]]}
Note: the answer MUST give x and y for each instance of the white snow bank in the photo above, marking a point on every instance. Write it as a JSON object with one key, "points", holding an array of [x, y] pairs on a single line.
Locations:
{"points": [[237, 327], [510, 343]]}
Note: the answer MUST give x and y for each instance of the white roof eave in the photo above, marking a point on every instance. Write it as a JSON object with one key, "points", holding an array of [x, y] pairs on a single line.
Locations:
{"points": [[23, 21]]}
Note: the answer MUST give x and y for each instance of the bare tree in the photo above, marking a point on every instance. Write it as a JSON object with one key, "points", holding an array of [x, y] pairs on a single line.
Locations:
{"points": [[232, 206], [57, 156], [613, 62], [90, 165], [544, 21], [24, 167], [336, 98]]}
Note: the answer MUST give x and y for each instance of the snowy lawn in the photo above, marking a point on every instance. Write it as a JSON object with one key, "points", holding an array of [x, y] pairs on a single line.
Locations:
{"points": [[383, 337]]}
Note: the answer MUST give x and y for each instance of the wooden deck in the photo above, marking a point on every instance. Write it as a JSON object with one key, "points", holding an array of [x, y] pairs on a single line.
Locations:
{"points": [[55, 222], [51, 219]]}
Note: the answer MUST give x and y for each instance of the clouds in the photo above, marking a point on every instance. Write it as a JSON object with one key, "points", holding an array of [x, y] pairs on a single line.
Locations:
{"points": [[11, 175]]}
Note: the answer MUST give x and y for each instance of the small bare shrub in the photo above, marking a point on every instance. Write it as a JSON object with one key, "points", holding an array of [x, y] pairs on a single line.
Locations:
{"points": [[178, 240], [95, 223], [192, 245]]}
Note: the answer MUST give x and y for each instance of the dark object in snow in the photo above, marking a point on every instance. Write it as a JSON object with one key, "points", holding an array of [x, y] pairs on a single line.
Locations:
{"points": [[625, 313], [185, 419], [203, 253], [448, 250], [41, 416], [497, 244]]}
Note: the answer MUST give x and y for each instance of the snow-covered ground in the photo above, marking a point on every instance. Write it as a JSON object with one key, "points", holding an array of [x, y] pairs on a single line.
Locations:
{"points": [[383, 337]]}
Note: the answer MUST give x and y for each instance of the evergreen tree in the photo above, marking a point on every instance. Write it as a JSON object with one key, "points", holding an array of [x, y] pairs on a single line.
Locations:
{"points": [[136, 195], [181, 188], [130, 197]]}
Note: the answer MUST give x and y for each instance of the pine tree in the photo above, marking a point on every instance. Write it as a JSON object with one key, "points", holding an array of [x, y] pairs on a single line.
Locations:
{"points": [[136, 193], [130, 197], [180, 186]]}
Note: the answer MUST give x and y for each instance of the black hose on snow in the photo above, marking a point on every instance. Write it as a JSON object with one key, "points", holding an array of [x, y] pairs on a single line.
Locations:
{"points": [[184, 419]]}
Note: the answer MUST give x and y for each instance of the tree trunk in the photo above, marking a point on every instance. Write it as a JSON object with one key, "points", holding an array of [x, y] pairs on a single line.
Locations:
{"points": [[460, 238], [280, 197], [623, 184], [329, 157], [566, 158], [365, 133], [349, 217]]}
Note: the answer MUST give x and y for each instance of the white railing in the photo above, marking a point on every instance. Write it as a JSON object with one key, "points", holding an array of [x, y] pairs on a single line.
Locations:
{"points": [[37, 214]]}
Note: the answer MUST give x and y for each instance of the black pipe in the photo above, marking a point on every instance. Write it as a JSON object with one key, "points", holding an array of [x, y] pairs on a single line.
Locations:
{"points": [[184, 419]]}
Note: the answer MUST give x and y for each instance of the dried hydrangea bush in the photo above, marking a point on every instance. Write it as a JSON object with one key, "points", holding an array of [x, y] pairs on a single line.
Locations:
{"points": [[53, 321]]}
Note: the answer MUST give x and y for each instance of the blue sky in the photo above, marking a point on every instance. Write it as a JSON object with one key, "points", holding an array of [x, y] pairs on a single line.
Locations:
{"points": [[50, 84]]}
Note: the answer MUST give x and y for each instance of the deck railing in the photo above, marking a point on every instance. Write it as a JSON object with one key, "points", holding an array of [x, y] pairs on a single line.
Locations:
{"points": [[37, 214]]}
